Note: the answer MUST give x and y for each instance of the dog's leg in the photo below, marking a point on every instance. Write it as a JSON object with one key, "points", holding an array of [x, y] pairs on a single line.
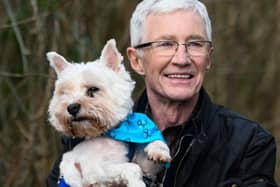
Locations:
{"points": [[158, 151], [71, 171], [126, 173]]}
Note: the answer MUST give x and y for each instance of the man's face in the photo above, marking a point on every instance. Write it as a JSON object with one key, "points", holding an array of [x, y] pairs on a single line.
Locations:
{"points": [[178, 77]]}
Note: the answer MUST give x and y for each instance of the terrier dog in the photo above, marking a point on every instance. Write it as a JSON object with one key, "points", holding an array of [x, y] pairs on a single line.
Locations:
{"points": [[90, 99]]}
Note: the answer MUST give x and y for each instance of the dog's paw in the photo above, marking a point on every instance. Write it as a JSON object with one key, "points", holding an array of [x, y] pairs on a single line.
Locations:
{"points": [[158, 151]]}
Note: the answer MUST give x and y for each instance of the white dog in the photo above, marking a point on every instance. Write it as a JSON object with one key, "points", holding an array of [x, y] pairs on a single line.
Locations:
{"points": [[90, 99]]}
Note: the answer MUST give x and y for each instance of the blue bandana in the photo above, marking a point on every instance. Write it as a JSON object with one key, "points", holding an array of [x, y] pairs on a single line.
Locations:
{"points": [[136, 128]]}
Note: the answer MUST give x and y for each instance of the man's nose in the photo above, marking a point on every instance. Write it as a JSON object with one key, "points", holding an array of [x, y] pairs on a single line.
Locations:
{"points": [[181, 55]]}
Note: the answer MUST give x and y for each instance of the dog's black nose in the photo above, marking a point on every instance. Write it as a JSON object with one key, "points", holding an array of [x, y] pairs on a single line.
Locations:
{"points": [[74, 109]]}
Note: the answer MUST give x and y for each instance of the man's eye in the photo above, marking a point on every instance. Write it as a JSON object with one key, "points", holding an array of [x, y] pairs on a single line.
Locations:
{"points": [[91, 91], [195, 44], [166, 44]]}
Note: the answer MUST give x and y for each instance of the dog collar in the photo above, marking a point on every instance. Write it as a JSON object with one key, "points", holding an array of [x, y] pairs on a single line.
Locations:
{"points": [[136, 128]]}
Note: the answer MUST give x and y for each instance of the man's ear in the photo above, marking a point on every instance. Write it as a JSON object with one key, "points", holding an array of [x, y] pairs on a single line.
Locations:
{"points": [[208, 66], [135, 61]]}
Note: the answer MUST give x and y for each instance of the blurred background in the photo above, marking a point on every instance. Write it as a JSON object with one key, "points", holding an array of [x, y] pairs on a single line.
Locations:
{"points": [[245, 74]]}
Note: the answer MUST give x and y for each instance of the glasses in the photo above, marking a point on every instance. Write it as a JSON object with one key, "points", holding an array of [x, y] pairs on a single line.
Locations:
{"points": [[169, 48]]}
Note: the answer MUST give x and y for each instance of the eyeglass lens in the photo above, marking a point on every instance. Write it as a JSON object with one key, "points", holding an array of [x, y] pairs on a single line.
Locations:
{"points": [[194, 48]]}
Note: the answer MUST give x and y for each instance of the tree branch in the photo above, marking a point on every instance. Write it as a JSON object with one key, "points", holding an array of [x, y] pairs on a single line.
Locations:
{"points": [[22, 47]]}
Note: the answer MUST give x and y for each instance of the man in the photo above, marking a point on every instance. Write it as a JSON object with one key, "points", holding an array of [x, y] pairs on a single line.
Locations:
{"points": [[210, 145]]}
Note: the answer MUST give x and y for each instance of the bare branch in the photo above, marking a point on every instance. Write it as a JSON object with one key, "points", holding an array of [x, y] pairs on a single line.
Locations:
{"points": [[17, 75], [23, 49], [24, 21]]}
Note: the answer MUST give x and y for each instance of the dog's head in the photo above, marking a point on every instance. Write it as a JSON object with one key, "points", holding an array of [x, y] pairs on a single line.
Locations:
{"points": [[90, 98]]}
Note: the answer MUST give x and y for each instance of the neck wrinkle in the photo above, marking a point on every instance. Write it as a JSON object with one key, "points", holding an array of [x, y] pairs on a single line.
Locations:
{"points": [[170, 114]]}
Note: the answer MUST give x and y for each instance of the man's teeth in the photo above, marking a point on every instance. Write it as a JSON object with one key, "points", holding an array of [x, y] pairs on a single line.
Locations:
{"points": [[180, 76]]}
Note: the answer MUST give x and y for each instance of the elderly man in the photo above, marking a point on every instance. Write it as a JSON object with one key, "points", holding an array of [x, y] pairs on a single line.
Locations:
{"points": [[210, 145]]}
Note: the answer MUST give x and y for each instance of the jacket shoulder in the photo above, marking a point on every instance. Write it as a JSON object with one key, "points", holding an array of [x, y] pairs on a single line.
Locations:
{"points": [[236, 123]]}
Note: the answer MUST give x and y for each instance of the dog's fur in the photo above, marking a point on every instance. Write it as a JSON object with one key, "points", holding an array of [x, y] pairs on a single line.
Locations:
{"points": [[89, 99]]}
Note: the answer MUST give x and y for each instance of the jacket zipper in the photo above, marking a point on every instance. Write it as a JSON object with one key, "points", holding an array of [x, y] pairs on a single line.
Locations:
{"points": [[185, 154], [178, 150], [165, 170], [180, 163]]}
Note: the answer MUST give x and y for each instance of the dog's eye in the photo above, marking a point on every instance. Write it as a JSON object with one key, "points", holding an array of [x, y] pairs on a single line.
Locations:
{"points": [[91, 91]]}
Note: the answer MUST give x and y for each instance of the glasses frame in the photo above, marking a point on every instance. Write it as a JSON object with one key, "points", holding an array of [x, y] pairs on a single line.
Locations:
{"points": [[186, 44]]}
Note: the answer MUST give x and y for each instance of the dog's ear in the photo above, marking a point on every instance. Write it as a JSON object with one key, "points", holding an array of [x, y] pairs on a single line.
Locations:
{"points": [[57, 61], [111, 56]]}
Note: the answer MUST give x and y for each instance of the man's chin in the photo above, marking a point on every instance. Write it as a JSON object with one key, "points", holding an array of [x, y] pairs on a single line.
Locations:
{"points": [[182, 95]]}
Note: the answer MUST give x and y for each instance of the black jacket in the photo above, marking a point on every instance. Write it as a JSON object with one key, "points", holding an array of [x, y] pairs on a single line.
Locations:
{"points": [[225, 149]]}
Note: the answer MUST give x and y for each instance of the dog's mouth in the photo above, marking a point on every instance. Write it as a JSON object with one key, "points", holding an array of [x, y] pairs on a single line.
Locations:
{"points": [[79, 119], [82, 126]]}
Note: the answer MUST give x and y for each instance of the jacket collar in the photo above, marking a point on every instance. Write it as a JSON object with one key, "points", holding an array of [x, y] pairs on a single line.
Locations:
{"points": [[205, 113]]}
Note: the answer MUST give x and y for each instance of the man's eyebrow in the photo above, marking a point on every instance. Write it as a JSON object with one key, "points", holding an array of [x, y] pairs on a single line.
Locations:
{"points": [[188, 38], [195, 37], [166, 37]]}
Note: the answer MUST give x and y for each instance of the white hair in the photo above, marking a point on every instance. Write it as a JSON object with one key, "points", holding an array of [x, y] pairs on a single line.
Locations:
{"points": [[147, 7]]}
